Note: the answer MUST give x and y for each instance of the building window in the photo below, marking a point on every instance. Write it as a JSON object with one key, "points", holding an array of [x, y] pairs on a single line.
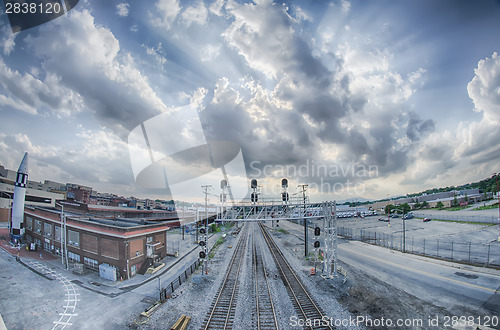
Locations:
{"points": [[47, 230], [38, 227], [73, 238], [29, 223], [57, 233], [133, 270], [38, 242], [91, 264], [149, 239], [73, 257], [46, 246]]}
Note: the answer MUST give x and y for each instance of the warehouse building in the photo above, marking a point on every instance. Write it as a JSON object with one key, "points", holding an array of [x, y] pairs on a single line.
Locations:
{"points": [[97, 244]]}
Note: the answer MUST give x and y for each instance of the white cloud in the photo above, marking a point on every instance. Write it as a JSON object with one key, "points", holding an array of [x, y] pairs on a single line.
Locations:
{"points": [[209, 52], [484, 89], [216, 7], [27, 93], [122, 9], [8, 40], [196, 14], [168, 11], [93, 157]]}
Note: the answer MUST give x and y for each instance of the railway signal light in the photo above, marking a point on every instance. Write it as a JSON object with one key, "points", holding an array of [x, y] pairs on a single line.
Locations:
{"points": [[202, 254], [285, 197], [317, 231], [254, 197], [202, 231], [202, 243], [253, 184], [316, 244]]}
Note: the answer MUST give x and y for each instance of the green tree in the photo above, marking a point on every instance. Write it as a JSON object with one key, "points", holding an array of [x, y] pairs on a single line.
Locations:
{"points": [[405, 208], [388, 208], [425, 204], [439, 205]]}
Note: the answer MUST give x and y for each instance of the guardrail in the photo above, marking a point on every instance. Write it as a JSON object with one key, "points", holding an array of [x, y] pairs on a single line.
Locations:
{"points": [[484, 255]]}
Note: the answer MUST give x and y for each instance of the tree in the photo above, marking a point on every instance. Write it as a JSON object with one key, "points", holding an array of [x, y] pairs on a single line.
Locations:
{"points": [[439, 205], [405, 208], [389, 208], [425, 204]]}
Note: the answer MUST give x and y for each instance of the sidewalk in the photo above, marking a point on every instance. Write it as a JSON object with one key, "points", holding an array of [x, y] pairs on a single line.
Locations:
{"points": [[93, 282]]}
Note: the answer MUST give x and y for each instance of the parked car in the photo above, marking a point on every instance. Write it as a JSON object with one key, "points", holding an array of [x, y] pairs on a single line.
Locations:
{"points": [[426, 219], [408, 216], [383, 219]]}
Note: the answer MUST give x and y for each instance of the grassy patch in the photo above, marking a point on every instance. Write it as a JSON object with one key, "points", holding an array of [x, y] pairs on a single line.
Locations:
{"points": [[281, 230], [456, 208], [214, 248], [467, 222], [487, 207]]}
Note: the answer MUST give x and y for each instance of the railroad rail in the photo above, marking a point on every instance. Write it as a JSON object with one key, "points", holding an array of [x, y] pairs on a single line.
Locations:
{"points": [[265, 315], [222, 309], [304, 304]]}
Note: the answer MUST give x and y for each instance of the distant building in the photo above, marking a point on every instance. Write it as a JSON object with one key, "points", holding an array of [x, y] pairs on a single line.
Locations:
{"points": [[34, 197], [78, 193]]}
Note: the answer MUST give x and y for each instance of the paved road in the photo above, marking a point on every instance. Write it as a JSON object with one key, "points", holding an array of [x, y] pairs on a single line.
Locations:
{"points": [[441, 283]]}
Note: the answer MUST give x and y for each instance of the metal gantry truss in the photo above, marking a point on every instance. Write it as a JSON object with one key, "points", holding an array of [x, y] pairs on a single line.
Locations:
{"points": [[295, 210]]}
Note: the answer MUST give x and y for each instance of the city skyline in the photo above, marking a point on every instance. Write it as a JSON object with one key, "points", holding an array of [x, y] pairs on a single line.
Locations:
{"points": [[407, 90]]}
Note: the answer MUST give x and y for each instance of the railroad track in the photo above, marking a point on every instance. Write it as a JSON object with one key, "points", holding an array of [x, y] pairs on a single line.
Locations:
{"points": [[265, 314], [305, 306], [222, 309]]}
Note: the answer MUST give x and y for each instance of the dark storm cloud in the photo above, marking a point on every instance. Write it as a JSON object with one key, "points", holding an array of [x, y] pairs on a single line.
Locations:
{"points": [[417, 127]]}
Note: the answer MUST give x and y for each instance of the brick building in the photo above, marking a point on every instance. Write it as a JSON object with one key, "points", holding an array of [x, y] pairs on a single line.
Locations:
{"points": [[122, 244]]}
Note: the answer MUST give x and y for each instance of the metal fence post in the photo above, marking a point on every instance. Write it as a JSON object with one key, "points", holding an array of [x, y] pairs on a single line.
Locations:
{"points": [[469, 251], [412, 245], [424, 246], [488, 260], [452, 251], [437, 252]]}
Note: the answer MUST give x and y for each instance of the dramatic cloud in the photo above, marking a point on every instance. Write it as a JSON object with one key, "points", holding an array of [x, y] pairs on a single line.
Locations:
{"points": [[33, 95], [338, 85], [87, 58]]}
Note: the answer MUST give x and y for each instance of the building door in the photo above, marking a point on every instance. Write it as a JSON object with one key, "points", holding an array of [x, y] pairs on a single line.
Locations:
{"points": [[149, 250]]}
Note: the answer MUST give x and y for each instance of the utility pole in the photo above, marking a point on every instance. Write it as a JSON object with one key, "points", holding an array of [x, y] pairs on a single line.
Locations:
{"points": [[498, 193], [205, 247], [304, 186]]}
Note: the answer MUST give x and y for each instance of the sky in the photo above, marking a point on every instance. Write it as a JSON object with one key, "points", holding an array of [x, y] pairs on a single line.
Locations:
{"points": [[354, 98]]}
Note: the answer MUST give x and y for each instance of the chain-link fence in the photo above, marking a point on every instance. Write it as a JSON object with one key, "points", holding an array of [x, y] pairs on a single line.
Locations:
{"points": [[461, 217], [485, 255]]}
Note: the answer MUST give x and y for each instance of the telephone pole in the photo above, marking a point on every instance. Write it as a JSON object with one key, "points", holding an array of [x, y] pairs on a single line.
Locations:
{"points": [[205, 246], [304, 186]]}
